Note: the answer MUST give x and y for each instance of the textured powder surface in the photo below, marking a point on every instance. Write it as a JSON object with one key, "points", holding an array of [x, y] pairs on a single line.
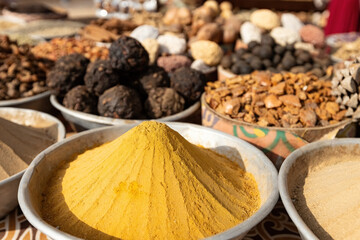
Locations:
{"points": [[149, 183], [19, 145], [328, 200], [10, 163]]}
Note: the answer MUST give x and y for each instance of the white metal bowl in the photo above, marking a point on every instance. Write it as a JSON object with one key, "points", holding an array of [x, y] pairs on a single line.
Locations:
{"points": [[9, 186], [81, 120], [254, 161], [39, 102], [302, 160]]}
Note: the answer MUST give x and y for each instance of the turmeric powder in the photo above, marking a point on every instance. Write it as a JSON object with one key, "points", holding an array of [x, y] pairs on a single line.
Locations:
{"points": [[150, 183]]}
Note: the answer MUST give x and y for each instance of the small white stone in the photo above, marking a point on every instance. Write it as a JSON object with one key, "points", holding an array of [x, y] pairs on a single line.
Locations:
{"points": [[338, 100], [357, 113], [345, 100], [201, 66], [171, 44], [249, 32], [347, 63], [144, 32], [335, 92], [284, 36], [338, 75], [349, 112], [335, 82], [348, 84], [345, 72], [290, 21], [353, 102], [342, 90], [355, 72]]}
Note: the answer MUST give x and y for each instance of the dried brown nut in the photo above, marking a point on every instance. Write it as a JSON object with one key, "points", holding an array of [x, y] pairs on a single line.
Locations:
{"points": [[308, 117], [211, 32], [271, 101], [290, 100], [332, 107], [286, 100]]}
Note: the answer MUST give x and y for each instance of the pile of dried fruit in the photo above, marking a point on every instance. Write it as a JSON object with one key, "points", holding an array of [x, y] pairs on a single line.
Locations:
{"points": [[21, 73], [59, 47], [281, 100]]}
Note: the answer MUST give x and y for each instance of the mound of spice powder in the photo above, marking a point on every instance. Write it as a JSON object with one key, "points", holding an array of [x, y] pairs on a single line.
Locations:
{"points": [[149, 183]]}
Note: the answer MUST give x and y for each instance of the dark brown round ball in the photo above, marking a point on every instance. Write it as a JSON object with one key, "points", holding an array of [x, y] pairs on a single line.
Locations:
{"points": [[226, 62], [279, 49], [189, 83], [256, 50], [127, 54], [80, 99], [305, 57], [245, 69], [67, 73], [288, 62], [252, 44], [276, 59], [163, 102], [266, 39], [101, 76], [120, 102], [265, 52], [155, 77], [256, 64], [267, 63]]}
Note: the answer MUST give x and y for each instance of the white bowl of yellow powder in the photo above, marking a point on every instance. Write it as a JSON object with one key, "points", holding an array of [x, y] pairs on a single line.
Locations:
{"points": [[149, 181], [320, 187]]}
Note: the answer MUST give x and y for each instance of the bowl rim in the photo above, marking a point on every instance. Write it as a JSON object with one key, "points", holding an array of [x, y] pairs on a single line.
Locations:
{"points": [[304, 230], [61, 135], [111, 121], [13, 102], [346, 121], [39, 223]]}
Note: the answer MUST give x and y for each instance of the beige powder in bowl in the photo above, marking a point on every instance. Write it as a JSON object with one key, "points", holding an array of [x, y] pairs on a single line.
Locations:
{"points": [[19, 145], [327, 194]]}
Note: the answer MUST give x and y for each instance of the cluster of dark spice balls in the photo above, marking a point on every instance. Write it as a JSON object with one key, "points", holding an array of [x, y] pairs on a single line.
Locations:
{"points": [[124, 86], [268, 55]]}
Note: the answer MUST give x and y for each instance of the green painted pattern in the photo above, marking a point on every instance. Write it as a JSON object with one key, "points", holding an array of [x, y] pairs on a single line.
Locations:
{"points": [[280, 136]]}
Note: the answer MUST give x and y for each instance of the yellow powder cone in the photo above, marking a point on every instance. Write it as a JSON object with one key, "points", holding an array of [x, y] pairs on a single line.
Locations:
{"points": [[149, 183]]}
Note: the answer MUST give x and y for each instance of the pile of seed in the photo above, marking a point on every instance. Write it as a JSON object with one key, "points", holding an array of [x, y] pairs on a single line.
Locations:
{"points": [[21, 73]]}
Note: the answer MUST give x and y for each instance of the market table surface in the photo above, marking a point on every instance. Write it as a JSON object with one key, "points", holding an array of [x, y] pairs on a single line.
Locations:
{"points": [[277, 226]]}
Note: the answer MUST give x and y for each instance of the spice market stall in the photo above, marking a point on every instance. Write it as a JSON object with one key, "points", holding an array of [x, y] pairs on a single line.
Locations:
{"points": [[267, 76]]}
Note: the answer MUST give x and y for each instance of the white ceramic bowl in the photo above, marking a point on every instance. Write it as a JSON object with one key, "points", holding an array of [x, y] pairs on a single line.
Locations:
{"points": [[37, 175], [9, 186], [302, 160], [81, 120]]}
